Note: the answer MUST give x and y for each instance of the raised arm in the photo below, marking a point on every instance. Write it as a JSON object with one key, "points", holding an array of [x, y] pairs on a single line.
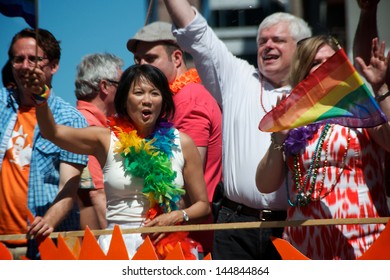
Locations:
{"points": [[89, 140], [375, 74], [366, 30], [180, 11]]}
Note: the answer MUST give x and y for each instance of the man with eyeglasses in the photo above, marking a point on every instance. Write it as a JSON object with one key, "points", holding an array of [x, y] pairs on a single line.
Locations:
{"points": [[96, 82], [46, 173], [197, 113]]}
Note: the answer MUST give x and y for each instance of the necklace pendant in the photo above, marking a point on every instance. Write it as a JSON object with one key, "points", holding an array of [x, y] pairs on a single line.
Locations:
{"points": [[303, 199]]}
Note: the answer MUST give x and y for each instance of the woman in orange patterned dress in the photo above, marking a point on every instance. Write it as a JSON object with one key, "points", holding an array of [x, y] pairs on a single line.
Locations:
{"points": [[334, 172]]}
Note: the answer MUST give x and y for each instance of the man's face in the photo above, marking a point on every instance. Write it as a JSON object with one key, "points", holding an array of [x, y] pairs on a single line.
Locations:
{"points": [[275, 50], [155, 54], [26, 57]]}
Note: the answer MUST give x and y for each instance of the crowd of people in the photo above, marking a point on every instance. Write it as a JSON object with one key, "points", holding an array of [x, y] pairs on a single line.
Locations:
{"points": [[148, 145]]}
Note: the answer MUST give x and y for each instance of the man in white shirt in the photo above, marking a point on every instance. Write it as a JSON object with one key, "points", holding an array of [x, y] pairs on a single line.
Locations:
{"points": [[246, 94]]}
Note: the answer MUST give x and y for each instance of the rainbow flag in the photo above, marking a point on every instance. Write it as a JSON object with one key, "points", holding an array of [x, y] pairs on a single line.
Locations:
{"points": [[334, 93], [19, 8]]}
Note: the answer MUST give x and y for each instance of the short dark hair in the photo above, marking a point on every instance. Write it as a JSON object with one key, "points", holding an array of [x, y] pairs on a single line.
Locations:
{"points": [[7, 75], [46, 41], [135, 73]]}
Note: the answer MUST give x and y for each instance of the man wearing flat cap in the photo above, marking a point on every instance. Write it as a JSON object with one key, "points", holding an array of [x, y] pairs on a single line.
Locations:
{"points": [[197, 112]]}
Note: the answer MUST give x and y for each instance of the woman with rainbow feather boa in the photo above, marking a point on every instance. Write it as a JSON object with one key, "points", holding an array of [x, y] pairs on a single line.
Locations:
{"points": [[148, 165]]}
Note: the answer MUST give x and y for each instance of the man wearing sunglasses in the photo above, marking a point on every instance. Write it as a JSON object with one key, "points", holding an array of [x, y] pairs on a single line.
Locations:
{"points": [[34, 172]]}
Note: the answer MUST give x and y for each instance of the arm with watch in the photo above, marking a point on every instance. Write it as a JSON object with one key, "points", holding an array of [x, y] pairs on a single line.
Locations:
{"points": [[195, 206]]}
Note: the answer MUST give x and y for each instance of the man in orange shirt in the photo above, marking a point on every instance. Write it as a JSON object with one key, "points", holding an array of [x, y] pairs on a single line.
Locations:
{"points": [[34, 172]]}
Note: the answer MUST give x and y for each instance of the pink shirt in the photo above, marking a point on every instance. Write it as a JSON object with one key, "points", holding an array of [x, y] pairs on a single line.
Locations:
{"points": [[198, 115], [94, 117]]}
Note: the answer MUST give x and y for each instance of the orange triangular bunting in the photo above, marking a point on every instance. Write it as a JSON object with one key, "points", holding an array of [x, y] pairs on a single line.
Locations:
{"points": [[74, 244], [90, 249], [207, 257], [287, 251], [64, 253], [48, 250], [117, 250], [176, 253], [380, 249], [146, 251], [5, 254]]}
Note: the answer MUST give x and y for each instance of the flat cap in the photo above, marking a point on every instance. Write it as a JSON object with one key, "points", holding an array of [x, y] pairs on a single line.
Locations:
{"points": [[153, 32]]}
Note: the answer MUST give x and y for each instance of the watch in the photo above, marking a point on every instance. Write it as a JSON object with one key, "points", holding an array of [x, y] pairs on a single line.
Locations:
{"points": [[185, 216]]}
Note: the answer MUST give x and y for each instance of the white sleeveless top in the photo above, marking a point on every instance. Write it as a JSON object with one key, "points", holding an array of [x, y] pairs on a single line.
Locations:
{"points": [[125, 201]]}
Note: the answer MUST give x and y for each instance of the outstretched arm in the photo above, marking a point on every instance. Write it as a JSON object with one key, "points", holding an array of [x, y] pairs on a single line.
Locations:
{"points": [[89, 140], [180, 11]]}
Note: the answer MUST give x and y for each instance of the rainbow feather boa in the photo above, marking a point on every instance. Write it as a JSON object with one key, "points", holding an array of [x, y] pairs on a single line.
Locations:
{"points": [[149, 158]]}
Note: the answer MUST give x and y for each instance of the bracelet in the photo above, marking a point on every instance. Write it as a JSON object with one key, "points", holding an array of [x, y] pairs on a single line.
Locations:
{"points": [[41, 99], [186, 218], [382, 97], [275, 145]]}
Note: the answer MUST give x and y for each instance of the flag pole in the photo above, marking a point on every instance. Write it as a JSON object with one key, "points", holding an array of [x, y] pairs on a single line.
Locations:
{"points": [[149, 11], [36, 31]]}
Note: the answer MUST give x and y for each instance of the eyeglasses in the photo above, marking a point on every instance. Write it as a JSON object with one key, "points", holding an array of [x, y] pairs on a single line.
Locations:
{"points": [[31, 59], [116, 83]]}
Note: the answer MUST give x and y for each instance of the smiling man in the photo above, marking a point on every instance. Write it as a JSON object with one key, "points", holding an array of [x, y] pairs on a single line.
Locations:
{"points": [[30, 181], [246, 94]]}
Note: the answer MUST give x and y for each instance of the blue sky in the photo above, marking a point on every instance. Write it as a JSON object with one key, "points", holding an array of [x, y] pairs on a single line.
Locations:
{"points": [[83, 27]]}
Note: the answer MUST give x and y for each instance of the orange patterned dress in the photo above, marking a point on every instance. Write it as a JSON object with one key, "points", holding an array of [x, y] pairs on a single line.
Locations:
{"points": [[340, 174]]}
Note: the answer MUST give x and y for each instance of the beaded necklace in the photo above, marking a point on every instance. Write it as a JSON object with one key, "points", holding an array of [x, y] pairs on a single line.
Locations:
{"points": [[191, 76], [279, 91], [305, 189], [261, 94]]}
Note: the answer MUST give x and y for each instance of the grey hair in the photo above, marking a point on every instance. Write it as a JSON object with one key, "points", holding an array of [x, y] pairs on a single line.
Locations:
{"points": [[299, 29], [92, 69]]}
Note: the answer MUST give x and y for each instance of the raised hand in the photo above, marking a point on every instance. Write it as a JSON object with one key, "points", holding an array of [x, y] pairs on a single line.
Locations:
{"points": [[375, 72], [33, 80], [367, 4]]}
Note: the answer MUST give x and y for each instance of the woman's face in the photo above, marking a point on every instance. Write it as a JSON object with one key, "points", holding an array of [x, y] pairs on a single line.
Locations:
{"points": [[144, 105], [322, 55]]}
